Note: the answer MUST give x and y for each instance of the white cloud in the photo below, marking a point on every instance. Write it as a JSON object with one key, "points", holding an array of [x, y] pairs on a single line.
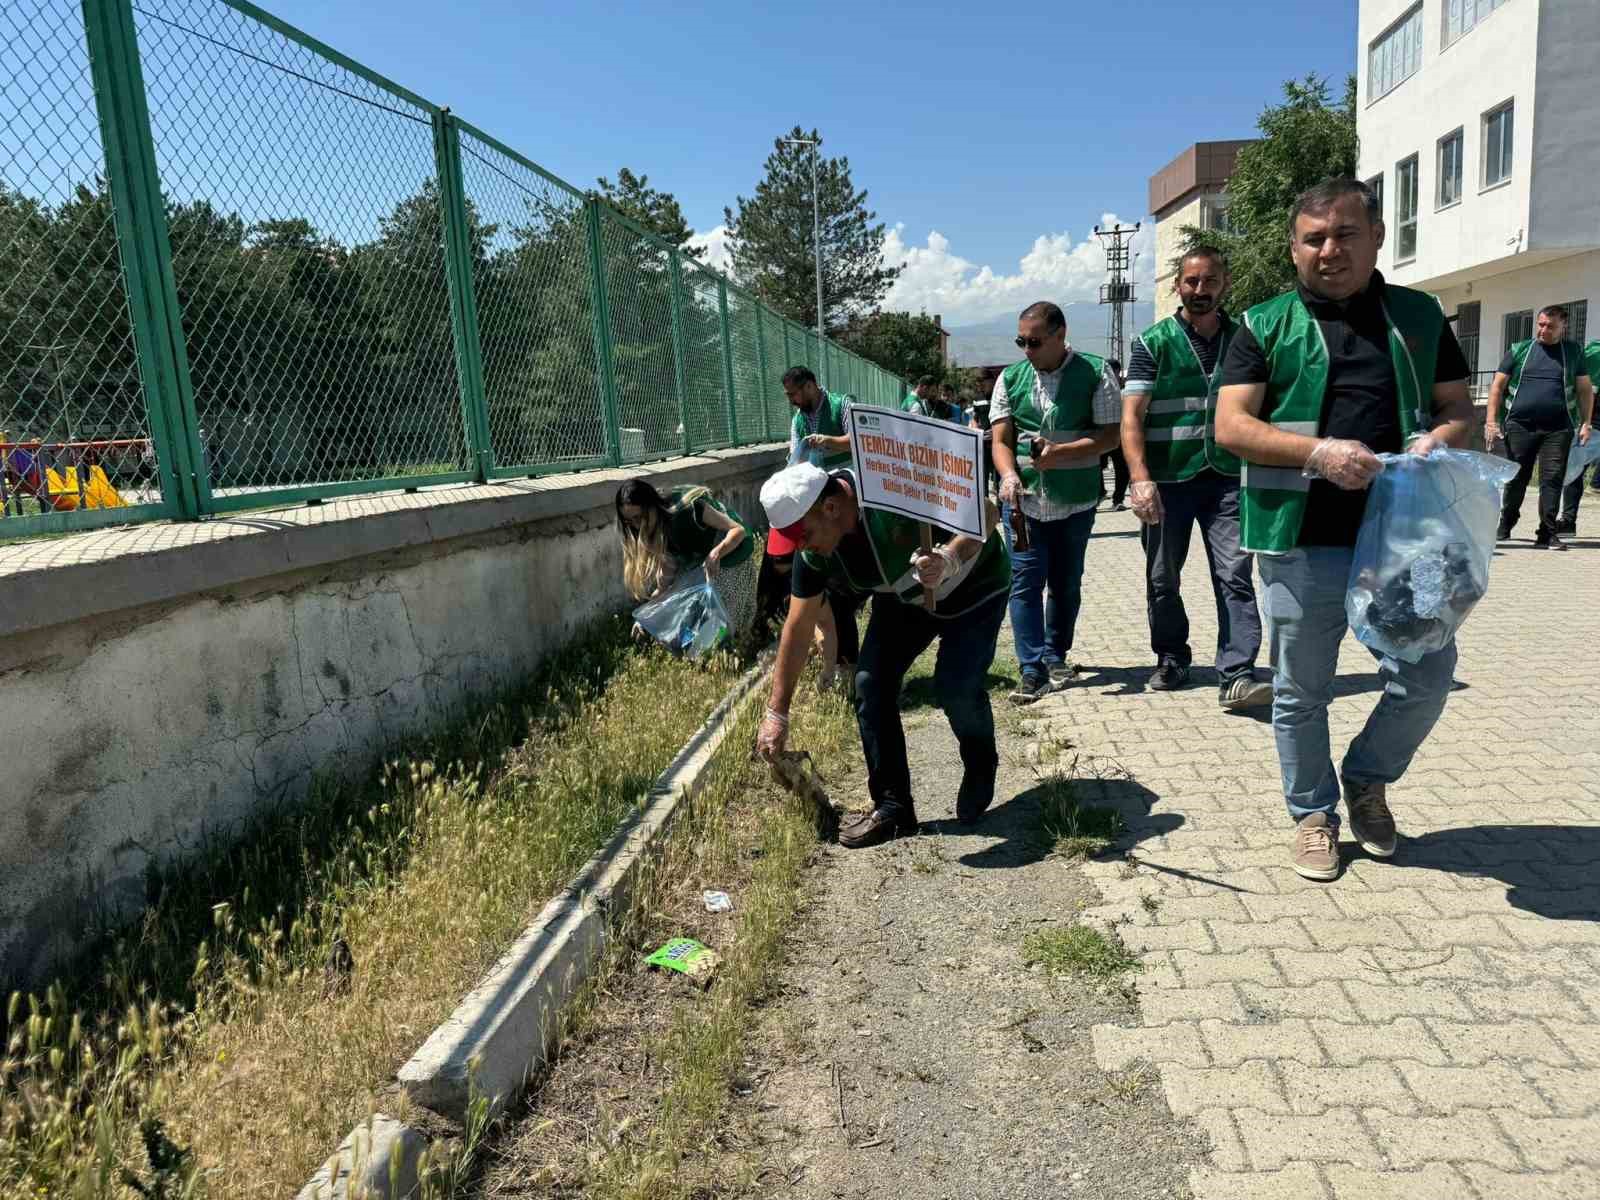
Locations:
{"points": [[937, 280], [714, 245]]}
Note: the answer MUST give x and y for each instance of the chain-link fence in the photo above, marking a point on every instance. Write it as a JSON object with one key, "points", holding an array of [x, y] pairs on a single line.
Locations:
{"points": [[239, 269]]}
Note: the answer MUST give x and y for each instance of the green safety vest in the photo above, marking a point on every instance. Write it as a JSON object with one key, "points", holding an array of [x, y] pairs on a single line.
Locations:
{"points": [[894, 539], [1273, 499], [1180, 424], [1572, 365], [1069, 418], [830, 421], [688, 541], [913, 404]]}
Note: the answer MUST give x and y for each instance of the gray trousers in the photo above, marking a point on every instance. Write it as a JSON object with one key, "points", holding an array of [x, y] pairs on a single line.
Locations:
{"points": [[1211, 501]]}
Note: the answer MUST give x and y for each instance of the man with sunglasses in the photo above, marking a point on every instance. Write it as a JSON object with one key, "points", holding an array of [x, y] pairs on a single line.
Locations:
{"points": [[1053, 415], [1182, 478]]}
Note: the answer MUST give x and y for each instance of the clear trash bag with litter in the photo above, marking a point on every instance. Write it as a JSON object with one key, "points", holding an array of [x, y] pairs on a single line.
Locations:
{"points": [[689, 620], [1582, 456], [1422, 555]]}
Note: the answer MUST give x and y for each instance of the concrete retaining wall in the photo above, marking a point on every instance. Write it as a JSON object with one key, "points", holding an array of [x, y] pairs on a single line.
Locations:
{"points": [[159, 684]]}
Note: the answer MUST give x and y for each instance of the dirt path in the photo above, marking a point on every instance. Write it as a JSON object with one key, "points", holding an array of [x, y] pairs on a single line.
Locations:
{"points": [[961, 1071]]}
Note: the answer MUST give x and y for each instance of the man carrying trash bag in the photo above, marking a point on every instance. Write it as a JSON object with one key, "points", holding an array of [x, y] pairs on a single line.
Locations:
{"points": [[880, 552], [1316, 383]]}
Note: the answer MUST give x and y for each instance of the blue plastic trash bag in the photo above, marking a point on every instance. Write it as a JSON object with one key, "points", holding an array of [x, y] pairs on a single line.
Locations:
{"points": [[690, 619], [1582, 456], [1422, 555]]}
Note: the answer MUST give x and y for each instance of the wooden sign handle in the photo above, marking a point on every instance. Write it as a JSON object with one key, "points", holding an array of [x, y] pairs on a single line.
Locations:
{"points": [[929, 600]]}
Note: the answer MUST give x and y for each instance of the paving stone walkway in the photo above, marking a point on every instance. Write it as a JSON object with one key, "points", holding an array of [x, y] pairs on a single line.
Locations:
{"points": [[1426, 1027]]}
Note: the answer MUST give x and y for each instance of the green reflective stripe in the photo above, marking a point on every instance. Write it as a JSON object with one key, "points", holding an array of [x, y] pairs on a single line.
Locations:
{"points": [[1281, 479], [1308, 428], [1176, 433]]}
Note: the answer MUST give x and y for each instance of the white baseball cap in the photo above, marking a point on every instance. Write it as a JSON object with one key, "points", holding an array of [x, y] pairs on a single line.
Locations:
{"points": [[789, 495]]}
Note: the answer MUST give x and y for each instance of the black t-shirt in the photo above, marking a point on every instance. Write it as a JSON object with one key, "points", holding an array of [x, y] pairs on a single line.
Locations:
{"points": [[1541, 405], [1361, 402]]}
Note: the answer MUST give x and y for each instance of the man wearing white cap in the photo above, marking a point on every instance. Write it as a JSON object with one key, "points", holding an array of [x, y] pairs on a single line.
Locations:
{"points": [[879, 552]]}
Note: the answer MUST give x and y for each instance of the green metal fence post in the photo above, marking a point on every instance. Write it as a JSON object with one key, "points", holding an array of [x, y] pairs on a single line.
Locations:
{"points": [[463, 297], [761, 375], [680, 374], [602, 331], [146, 252], [727, 362]]}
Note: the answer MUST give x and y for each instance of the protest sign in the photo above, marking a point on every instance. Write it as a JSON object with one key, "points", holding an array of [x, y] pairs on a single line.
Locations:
{"points": [[920, 468]]}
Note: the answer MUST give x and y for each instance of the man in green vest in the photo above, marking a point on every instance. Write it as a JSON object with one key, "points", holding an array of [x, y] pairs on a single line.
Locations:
{"points": [[1182, 478], [1540, 397], [924, 399], [880, 553], [1573, 492], [819, 433], [1316, 384], [1053, 414]]}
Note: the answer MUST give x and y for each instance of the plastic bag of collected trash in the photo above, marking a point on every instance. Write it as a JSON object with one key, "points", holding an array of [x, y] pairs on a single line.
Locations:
{"points": [[690, 619], [1422, 555], [1582, 456]]}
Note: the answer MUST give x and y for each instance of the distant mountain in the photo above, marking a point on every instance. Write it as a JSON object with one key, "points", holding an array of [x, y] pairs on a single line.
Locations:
{"points": [[990, 342]]}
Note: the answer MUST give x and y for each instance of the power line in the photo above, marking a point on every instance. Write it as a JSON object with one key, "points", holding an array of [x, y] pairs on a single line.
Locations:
{"points": [[1118, 290]]}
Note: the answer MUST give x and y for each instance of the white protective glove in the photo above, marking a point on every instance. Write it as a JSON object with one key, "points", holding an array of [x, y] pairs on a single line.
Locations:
{"points": [[1343, 462], [772, 735], [1145, 501], [1011, 489], [934, 568]]}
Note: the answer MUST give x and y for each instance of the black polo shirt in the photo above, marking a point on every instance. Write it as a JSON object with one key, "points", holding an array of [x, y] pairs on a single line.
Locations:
{"points": [[1541, 405], [1362, 401]]}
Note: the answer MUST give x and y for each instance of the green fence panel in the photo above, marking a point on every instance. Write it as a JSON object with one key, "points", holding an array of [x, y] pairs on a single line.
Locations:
{"points": [[750, 382], [706, 399], [307, 234], [78, 439], [531, 279], [638, 280], [777, 356]]}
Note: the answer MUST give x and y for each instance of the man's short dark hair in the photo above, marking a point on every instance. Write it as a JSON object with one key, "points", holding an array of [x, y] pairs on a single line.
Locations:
{"points": [[927, 381], [798, 377], [1049, 313], [1205, 251], [1329, 192], [1557, 311]]}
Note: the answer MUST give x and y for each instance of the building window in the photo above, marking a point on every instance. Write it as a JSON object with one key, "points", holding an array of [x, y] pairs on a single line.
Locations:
{"points": [[1405, 209], [1215, 217], [1461, 16], [1497, 135], [1468, 317], [1449, 190], [1518, 328], [1577, 320], [1395, 56], [1375, 185]]}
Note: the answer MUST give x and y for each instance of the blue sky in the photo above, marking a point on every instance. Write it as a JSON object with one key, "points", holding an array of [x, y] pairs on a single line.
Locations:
{"points": [[1002, 133]]}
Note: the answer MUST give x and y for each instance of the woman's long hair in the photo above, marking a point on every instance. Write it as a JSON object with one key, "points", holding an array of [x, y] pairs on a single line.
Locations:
{"points": [[646, 558]]}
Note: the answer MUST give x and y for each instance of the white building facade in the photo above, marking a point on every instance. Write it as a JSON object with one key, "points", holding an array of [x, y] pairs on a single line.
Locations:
{"points": [[1480, 125]]}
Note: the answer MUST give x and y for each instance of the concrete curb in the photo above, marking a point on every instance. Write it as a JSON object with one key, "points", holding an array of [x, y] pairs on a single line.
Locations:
{"points": [[500, 1032]]}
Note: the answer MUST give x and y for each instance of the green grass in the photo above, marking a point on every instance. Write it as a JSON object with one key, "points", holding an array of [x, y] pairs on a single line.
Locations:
{"points": [[1081, 951], [1070, 829], [214, 1015]]}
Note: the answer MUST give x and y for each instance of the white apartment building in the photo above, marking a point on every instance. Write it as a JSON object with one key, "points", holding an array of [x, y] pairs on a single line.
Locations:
{"points": [[1480, 125]]}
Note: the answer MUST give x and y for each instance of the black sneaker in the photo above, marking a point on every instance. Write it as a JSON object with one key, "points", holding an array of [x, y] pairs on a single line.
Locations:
{"points": [[1032, 688], [878, 826], [1568, 526], [1503, 534], [1553, 542], [1245, 691], [1169, 676]]}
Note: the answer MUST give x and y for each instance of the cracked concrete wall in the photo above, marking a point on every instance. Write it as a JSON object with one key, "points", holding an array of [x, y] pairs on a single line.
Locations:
{"points": [[132, 735]]}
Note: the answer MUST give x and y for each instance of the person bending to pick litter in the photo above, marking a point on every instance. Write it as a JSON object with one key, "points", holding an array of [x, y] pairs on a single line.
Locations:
{"points": [[880, 552], [664, 536], [1315, 384]]}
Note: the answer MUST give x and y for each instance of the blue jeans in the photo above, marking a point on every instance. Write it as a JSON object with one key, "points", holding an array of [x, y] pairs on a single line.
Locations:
{"points": [[1304, 602], [896, 634], [1212, 502], [1054, 557]]}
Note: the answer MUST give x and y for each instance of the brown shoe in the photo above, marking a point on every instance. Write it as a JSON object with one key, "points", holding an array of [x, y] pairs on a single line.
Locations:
{"points": [[1370, 819], [879, 825], [1316, 848]]}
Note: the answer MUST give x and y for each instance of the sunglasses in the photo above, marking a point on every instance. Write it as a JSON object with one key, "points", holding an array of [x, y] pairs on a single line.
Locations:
{"points": [[1026, 343]]}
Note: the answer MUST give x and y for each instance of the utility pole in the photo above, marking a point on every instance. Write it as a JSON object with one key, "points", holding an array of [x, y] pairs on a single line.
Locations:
{"points": [[1117, 291], [816, 236]]}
